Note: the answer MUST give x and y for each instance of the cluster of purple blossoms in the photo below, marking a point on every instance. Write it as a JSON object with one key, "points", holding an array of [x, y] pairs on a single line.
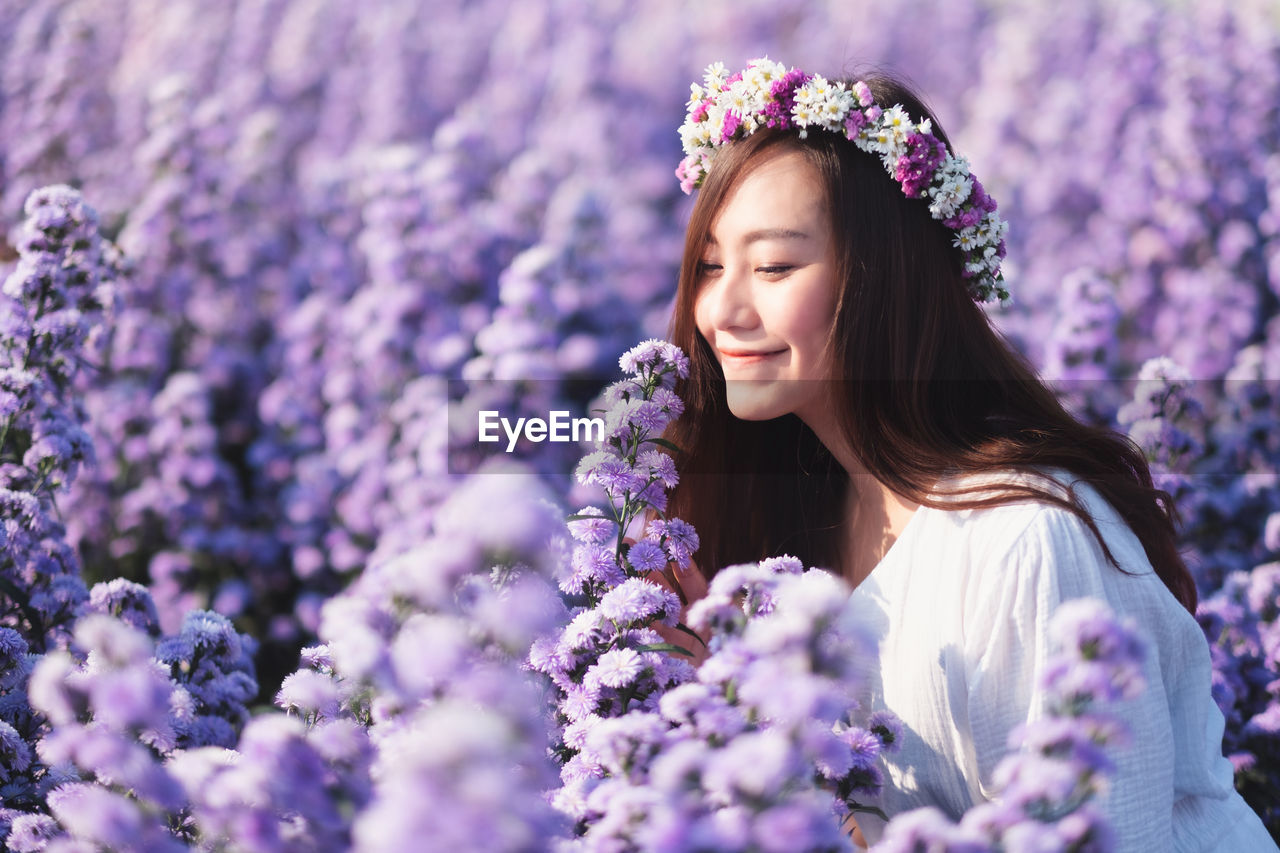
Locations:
{"points": [[1167, 421], [760, 752], [412, 725], [1242, 622], [106, 713], [51, 313], [1221, 468], [609, 659], [114, 714], [1046, 788]]}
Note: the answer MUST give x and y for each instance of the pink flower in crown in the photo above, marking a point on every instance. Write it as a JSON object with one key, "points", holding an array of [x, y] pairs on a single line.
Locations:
{"points": [[690, 171], [967, 217], [732, 121], [863, 93], [854, 123]]}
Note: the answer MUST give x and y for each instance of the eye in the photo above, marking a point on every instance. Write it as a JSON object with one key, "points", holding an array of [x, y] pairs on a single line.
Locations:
{"points": [[708, 269], [774, 270]]}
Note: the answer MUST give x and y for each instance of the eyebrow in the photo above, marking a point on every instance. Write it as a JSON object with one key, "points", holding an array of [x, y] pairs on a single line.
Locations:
{"points": [[766, 234]]}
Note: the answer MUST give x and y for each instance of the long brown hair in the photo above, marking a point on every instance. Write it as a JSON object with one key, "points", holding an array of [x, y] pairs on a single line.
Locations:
{"points": [[931, 388]]}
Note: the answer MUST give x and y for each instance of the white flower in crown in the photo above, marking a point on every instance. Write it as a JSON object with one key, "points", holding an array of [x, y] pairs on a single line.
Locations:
{"points": [[834, 107], [897, 122], [697, 95], [743, 98], [761, 73], [879, 140], [715, 76], [966, 239], [992, 230], [950, 189], [715, 120], [804, 116]]}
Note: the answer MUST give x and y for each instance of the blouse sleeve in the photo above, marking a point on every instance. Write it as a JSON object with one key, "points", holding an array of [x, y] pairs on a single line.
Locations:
{"points": [[1175, 728]]}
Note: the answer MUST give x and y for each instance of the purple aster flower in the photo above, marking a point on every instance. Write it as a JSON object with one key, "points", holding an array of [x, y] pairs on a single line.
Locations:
{"points": [[620, 742], [619, 477], [668, 401], [647, 556], [620, 392], [660, 466], [1109, 654], [595, 530], [13, 652], [590, 562], [919, 829], [583, 631], [645, 354], [317, 657], [649, 416], [308, 692], [1037, 780], [886, 726], [15, 753], [96, 814], [30, 833], [133, 697], [754, 764], [637, 599], [618, 667], [678, 537], [128, 601], [864, 746], [680, 704]]}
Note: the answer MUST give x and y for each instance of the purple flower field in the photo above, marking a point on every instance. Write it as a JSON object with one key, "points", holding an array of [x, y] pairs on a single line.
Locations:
{"points": [[263, 588]]}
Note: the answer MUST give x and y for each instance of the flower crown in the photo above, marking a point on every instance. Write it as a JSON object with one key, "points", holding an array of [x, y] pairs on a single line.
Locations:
{"points": [[767, 94]]}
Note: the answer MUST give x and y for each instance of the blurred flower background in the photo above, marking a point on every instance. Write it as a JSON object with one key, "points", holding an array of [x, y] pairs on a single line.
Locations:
{"points": [[322, 228]]}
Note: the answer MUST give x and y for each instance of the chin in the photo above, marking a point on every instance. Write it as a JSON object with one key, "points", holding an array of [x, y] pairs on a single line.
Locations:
{"points": [[756, 401]]}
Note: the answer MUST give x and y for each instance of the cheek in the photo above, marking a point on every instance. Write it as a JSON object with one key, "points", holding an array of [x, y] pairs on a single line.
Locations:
{"points": [[700, 313]]}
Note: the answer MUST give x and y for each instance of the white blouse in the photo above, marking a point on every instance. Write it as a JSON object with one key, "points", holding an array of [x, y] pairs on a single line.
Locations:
{"points": [[960, 606]]}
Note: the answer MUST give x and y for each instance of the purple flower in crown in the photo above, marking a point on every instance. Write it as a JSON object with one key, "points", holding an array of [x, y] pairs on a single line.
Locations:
{"points": [[915, 171]]}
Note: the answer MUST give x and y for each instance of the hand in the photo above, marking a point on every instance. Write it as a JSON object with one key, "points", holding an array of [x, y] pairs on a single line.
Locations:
{"points": [[690, 585], [854, 832]]}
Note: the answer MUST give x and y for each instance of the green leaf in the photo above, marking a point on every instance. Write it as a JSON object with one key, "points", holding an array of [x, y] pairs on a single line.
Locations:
{"points": [[680, 626], [665, 647], [858, 808], [577, 516], [662, 442]]}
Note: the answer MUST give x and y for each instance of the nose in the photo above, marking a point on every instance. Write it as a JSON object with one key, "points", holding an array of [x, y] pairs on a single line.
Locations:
{"points": [[725, 302]]}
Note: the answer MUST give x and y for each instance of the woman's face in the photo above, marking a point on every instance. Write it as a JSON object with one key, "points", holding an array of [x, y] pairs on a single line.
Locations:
{"points": [[768, 290]]}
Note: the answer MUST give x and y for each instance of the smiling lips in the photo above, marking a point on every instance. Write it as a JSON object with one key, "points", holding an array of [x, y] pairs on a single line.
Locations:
{"points": [[745, 358]]}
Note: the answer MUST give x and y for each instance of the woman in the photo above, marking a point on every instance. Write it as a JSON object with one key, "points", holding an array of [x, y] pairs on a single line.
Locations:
{"points": [[850, 403]]}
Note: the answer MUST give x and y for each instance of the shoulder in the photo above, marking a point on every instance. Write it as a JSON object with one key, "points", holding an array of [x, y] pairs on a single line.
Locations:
{"points": [[1030, 525], [1030, 554]]}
